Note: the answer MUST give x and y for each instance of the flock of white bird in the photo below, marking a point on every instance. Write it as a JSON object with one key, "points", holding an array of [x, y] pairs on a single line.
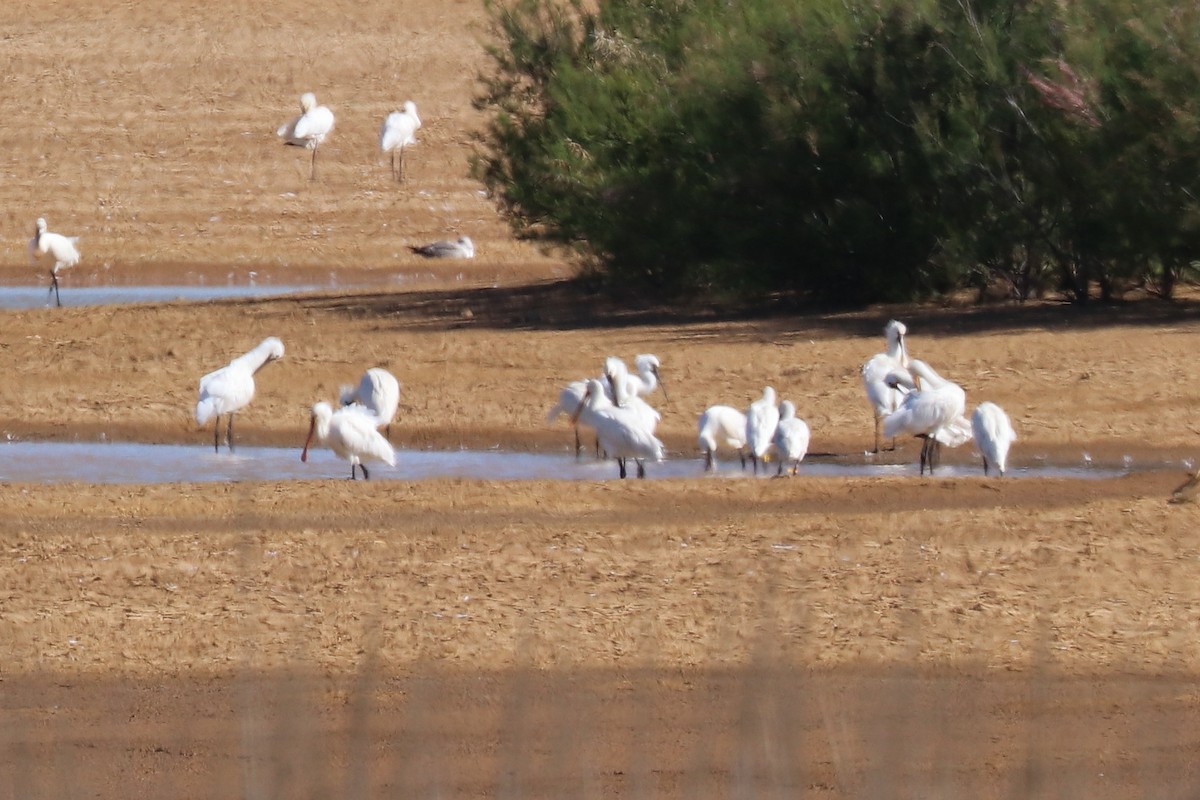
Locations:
{"points": [[308, 130]]}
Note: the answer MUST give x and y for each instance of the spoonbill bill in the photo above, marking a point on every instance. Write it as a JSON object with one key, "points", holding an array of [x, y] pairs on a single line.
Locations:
{"points": [[761, 419], [351, 433], [231, 388], [885, 398], [309, 129], [462, 247], [377, 392], [398, 131], [63, 249], [933, 412], [994, 434], [791, 437], [621, 431], [722, 425]]}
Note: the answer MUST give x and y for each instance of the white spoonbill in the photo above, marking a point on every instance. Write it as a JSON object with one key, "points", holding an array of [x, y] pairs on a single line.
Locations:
{"points": [[399, 131], [791, 437], [63, 249], [623, 389], [994, 434], [351, 433], [378, 392], [309, 129], [933, 413], [761, 419], [620, 430], [643, 381], [462, 247], [885, 399], [722, 425], [231, 388]]}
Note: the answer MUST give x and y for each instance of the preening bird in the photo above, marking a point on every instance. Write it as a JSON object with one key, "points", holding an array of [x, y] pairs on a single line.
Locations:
{"points": [[620, 430], [378, 393], [933, 413], [624, 390], [231, 388], [994, 434], [721, 426], [309, 129], [349, 432], [761, 419], [462, 247], [399, 131], [640, 383], [884, 398], [791, 437], [63, 249]]}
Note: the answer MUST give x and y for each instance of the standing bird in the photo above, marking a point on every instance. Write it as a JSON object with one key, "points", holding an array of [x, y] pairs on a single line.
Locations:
{"points": [[640, 383], [721, 425], [791, 437], [624, 390], [884, 398], [231, 388], [994, 434], [309, 129], [761, 419], [462, 247], [63, 249], [378, 392], [351, 433], [933, 413], [398, 131], [620, 430]]}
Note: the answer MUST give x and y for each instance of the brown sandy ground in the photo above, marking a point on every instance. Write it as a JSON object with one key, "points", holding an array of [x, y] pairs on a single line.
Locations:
{"points": [[692, 638]]}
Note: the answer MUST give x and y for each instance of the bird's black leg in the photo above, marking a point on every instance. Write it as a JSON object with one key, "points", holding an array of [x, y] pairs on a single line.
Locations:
{"points": [[780, 470], [877, 421], [578, 445], [366, 475], [985, 466], [217, 434], [229, 434], [708, 460], [641, 468], [621, 466], [742, 456], [54, 287], [924, 454]]}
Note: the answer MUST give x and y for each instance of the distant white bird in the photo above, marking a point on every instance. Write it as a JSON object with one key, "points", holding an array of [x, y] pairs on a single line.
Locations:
{"points": [[309, 129], [231, 388], [933, 412], [994, 434], [378, 392], [885, 399], [350, 432], [462, 247], [761, 419], [791, 437], [620, 430], [63, 249], [721, 425], [399, 131]]}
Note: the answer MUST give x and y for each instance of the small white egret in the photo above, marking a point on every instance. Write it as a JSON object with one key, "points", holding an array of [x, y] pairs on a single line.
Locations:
{"points": [[994, 435], [620, 430], [309, 129], [933, 413], [231, 388], [884, 398], [721, 425], [349, 432], [378, 392], [761, 420], [462, 247], [63, 249], [791, 437], [399, 131]]}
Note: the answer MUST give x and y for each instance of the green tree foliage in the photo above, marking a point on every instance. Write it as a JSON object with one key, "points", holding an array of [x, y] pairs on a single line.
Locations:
{"points": [[849, 150]]}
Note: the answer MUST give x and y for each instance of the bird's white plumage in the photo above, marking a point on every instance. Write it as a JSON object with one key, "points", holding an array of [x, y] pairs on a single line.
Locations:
{"points": [[462, 247], [310, 128], [63, 249], [791, 437], [350, 433], [377, 392], [931, 410], [994, 436], [398, 132], [761, 419], [721, 426], [885, 399], [621, 431], [625, 390], [231, 388]]}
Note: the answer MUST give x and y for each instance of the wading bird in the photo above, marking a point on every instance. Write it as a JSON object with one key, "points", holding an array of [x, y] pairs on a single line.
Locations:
{"points": [[884, 398], [349, 432], [761, 419], [994, 434], [231, 388], [399, 131], [309, 129], [462, 247], [378, 392], [624, 390], [791, 437], [620, 430], [933, 413], [63, 249], [722, 425]]}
